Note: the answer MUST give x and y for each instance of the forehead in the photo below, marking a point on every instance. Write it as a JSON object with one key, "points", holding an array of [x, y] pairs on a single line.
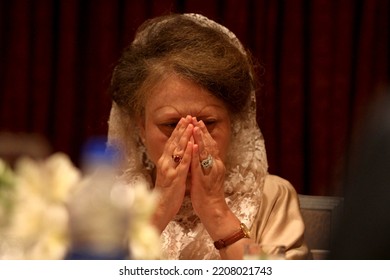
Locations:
{"points": [[176, 94]]}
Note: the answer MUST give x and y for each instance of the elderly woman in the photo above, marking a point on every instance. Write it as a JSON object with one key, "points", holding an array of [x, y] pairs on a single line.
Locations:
{"points": [[184, 116]]}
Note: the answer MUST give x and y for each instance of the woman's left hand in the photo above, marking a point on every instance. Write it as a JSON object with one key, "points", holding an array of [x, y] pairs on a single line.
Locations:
{"points": [[207, 184], [207, 192]]}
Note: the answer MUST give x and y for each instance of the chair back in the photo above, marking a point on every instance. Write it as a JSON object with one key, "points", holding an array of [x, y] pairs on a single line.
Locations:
{"points": [[321, 215]]}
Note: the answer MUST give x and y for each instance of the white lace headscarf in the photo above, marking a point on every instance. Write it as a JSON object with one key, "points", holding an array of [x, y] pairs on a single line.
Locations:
{"points": [[185, 237]]}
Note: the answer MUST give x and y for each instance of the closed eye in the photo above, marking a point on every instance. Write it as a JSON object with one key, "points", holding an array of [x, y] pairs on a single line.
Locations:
{"points": [[170, 125], [210, 124], [168, 128]]}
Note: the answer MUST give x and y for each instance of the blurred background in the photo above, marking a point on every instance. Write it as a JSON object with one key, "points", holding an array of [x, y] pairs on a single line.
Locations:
{"points": [[324, 62]]}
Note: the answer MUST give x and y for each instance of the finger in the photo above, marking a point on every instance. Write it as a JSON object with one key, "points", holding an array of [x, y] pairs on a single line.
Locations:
{"points": [[204, 130], [196, 163], [185, 138], [195, 166], [176, 144], [179, 130], [187, 158], [180, 149], [210, 145], [198, 137]]}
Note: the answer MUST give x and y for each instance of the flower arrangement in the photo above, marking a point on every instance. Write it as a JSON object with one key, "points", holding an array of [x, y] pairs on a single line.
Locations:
{"points": [[50, 207]]}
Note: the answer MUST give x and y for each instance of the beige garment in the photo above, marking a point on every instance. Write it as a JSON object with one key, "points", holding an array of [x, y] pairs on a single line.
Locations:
{"points": [[279, 220]]}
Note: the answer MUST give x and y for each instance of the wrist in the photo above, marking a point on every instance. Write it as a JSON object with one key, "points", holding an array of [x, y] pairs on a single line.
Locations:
{"points": [[242, 232], [220, 222], [163, 213]]}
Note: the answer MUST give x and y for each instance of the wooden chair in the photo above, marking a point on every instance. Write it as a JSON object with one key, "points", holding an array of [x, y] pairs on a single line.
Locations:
{"points": [[321, 215]]}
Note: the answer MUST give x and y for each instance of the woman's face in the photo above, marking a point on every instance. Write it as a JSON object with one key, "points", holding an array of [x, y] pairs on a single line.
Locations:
{"points": [[174, 98]]}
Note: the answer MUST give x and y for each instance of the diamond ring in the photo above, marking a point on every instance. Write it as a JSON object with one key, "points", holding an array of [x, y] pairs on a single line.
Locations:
{"points": [[208, 162]]}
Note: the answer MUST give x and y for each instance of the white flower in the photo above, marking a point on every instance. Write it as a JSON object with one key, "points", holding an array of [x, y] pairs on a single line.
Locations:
{"points": [[144, 242], [62, 175], [144, 238], [54, 241], [39, 220], [53, 207]]}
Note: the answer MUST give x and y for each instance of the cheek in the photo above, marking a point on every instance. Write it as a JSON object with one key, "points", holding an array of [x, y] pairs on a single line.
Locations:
{"points": [[155, 142], [223, 142], [224, 149]]}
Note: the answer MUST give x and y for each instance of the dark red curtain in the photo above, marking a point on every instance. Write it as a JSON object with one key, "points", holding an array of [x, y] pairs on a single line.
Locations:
{"points": [[324, 61]]}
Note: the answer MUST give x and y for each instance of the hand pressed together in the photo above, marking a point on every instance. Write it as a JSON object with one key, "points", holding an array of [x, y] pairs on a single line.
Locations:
{"points": [[179, 170]]}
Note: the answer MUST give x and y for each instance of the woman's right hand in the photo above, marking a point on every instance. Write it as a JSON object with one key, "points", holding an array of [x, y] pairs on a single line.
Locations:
{"points": [[171, 175]]}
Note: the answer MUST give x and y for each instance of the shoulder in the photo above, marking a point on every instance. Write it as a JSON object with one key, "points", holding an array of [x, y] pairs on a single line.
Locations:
{"points": [[274, 183], [277, 186]]}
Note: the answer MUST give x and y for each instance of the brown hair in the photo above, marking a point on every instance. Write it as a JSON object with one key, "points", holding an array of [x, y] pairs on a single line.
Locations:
{"points": [[177, 44]]}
